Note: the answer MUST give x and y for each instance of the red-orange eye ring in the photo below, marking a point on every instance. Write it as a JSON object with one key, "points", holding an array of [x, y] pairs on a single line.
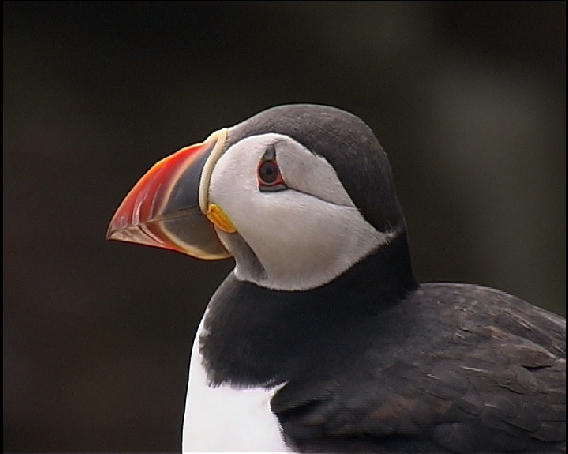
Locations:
{"points": [[268, 173]]}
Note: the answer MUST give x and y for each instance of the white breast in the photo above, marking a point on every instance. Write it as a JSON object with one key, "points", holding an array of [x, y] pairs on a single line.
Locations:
{"points": [[227, 419]]}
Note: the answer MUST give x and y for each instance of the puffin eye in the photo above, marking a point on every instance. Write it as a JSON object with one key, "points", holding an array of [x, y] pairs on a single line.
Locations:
{"points": [[268, 174]]}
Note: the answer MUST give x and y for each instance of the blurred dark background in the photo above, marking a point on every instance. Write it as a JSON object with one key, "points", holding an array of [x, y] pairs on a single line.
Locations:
{"points": [[468, 99]]}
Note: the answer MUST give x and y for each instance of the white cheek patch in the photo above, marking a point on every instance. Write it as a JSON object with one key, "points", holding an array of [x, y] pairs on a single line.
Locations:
{"points": [[303, 237]]}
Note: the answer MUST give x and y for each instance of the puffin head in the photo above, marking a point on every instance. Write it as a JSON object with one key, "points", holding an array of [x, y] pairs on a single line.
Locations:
{"points": [[297, 194]]}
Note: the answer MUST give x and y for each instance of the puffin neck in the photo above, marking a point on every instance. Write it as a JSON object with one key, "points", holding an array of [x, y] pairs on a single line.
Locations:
{"points": [[379, 280], [255, 336], [384, 276]]}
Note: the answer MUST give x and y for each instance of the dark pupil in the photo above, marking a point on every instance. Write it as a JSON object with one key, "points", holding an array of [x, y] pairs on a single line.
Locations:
{"points": [[268, 172]]}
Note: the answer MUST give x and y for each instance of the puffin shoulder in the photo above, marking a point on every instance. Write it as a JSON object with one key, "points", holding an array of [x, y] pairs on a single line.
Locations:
{"points": [[485, 371], [476, 308]]}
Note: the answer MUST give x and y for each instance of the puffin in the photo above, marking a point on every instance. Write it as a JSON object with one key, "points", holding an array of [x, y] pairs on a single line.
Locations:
{"points": [[321, 339]]}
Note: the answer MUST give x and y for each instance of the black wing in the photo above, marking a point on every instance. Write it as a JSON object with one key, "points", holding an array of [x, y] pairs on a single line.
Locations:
{"points": [[495, 383]]}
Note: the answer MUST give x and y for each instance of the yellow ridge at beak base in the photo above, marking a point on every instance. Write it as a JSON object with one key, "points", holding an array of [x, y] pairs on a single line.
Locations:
{"points": [[218, 217]]}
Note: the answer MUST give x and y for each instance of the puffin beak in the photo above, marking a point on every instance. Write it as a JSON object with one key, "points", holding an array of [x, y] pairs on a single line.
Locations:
{"points": [[169, 208]]}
